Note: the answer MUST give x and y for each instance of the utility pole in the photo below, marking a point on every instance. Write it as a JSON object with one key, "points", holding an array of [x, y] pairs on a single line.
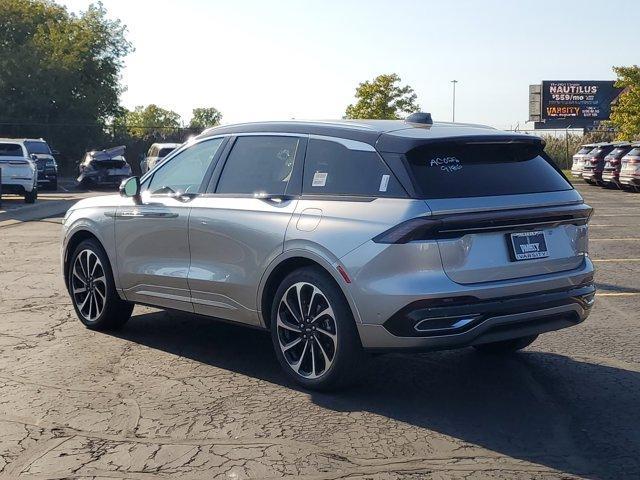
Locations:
{"points": [[453, 115]]}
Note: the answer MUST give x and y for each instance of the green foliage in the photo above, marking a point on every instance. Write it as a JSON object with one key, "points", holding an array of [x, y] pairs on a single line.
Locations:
{"points": [[59, 68], [625, 115], [151, 122], [205, 117], [383, 98]]}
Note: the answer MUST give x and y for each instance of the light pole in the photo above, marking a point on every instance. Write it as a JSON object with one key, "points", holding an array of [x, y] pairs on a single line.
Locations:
{"points": [[453, 115]]}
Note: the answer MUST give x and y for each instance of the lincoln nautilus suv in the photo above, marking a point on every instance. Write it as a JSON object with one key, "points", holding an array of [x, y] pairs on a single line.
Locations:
{"points": [[341, 238]]}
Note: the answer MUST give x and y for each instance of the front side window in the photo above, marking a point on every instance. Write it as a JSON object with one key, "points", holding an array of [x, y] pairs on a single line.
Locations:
{"points": [[184, 172], [331, 168], [260, 164]]}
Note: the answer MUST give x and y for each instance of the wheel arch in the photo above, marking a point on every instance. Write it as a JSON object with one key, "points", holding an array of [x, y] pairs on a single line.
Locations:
{"points": [[287, 263], [75, 239]]}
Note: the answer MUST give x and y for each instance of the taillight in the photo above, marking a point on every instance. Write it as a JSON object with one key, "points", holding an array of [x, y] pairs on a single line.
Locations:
{"points": [[413, 229]]}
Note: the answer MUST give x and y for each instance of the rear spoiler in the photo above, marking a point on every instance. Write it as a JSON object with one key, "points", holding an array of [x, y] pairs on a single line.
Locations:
{"points": [[400, 144]]}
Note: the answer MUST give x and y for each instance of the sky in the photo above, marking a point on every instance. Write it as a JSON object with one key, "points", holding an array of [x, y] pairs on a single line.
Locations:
{"points": [[274, 60]]}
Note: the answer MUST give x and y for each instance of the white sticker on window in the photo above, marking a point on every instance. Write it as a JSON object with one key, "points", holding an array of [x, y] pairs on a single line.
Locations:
{"points": [[384, 182], [319, 179]]}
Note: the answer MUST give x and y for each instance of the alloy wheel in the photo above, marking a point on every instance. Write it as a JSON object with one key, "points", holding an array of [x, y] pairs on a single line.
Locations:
{"points": [[306, 328], [88, 285]]}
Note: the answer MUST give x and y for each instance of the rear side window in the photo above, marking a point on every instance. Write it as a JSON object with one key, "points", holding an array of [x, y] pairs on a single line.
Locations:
{"points": [[478, 170], [331, 168], [259, 164], [10, 150]]}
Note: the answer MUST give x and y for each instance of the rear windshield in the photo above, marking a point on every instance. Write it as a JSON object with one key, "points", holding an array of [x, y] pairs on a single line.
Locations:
{"points": [[619, 152], [475, 170], [10, 150], [599, 151], [635, 152], [37, 147], [584, 150]]}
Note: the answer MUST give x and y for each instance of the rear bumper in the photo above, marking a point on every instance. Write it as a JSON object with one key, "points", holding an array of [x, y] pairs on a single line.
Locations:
{"points": [[436, 325], [47, 178], [632, 181], [593, 175], [19, 187]]}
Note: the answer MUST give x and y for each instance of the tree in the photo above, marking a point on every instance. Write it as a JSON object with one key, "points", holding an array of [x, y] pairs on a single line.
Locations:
{"points": [[58, 67], [59, 74], [383, 98], [625, 114], [205, 117], [151, 122]]}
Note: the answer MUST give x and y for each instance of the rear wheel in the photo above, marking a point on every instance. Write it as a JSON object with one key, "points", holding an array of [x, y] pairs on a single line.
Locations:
{"points": [[506, 346], [30, 197], [313, 331], [93, 291]]}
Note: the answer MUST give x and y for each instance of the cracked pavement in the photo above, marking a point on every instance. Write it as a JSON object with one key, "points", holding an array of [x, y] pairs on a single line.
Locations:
{"points": [[175, 395]]}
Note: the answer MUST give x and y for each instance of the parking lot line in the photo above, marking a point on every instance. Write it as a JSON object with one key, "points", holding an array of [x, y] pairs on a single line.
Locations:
{"points": [[617, 294], [626, 239], [616, 260]]}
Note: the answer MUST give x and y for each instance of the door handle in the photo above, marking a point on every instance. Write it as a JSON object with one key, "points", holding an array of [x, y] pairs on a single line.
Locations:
{"points": [[276, 198], [139, 214]]}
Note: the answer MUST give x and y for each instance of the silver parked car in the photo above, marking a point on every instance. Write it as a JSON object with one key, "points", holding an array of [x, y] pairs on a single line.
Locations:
{"points": [[341, 238]]}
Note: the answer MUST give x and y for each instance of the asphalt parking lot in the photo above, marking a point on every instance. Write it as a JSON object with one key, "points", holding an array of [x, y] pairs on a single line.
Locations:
{"points": [[177, 395]]}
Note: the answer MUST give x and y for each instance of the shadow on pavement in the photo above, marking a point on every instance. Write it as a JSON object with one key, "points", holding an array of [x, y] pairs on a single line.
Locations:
{"points": [[577, 417]]}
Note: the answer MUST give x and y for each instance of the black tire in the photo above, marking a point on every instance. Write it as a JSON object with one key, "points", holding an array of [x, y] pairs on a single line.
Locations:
{"points": [[115, 311], [347, 354], [30, 197], [506, 346]]}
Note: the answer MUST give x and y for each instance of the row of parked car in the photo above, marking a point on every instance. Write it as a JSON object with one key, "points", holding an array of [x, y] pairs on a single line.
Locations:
{"points": [[26, 165], [613, 165]]}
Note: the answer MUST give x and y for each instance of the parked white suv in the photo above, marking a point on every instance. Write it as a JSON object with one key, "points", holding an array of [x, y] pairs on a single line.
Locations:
{"points": [[19, 172]]}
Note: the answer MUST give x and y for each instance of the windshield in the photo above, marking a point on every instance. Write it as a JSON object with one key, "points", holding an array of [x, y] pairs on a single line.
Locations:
{"points": [[475, 170], [40, 148]]}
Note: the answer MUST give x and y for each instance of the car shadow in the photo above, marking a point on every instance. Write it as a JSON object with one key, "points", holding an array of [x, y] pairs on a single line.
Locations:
{"points": [[574, 416]]}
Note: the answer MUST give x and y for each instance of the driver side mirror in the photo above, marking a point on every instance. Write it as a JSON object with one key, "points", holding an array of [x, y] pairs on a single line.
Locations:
{"points": [[34, 157], [131, 188]]}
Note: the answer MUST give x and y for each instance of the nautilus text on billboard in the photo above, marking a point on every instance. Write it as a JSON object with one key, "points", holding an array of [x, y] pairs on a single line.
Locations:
{"points": [[583, 102]]}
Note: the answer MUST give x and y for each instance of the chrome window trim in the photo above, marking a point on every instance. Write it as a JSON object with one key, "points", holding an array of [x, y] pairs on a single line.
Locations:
{"points": [[345, 142]]}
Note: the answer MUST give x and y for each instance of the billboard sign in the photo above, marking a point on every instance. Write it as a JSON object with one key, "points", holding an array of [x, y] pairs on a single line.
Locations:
{"points": [[577, 103]]}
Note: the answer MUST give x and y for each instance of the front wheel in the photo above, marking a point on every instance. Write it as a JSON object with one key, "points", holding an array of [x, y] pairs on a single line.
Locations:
{"points": [[506, 346], [93, 291], [313, 331]]}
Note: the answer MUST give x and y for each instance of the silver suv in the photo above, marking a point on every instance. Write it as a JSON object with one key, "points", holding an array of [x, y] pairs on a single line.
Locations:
{"points": [[341, 238]]}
